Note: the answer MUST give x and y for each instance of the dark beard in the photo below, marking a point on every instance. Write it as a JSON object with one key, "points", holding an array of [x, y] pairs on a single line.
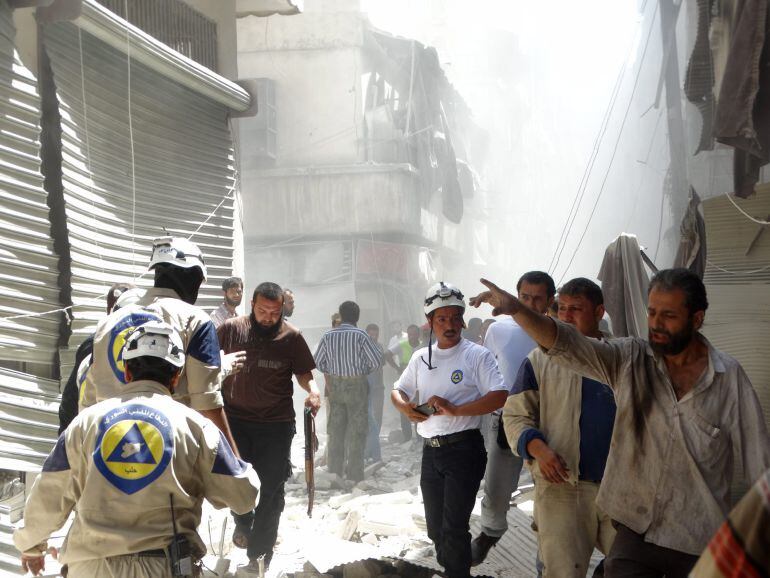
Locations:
{"points": [[677, 342], [263, 331], [232, 302]]}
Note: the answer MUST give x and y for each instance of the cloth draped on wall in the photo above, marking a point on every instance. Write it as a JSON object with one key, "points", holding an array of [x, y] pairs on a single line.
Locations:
{"points": [[624, 284]]}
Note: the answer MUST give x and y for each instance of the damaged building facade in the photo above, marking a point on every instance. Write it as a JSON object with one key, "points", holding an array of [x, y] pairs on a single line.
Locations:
{"points": [[357, 171]]}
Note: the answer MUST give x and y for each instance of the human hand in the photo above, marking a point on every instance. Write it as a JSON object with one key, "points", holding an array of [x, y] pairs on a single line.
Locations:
{"points": [[34, 564], [313, 401], [552, 465], [234, 362], [501, 301], [408, 409], [442, 406]]}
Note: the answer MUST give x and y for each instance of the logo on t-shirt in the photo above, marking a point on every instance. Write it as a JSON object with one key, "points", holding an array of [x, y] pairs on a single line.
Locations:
{"points": [[133, 447], [118, 335], [457, 376]]}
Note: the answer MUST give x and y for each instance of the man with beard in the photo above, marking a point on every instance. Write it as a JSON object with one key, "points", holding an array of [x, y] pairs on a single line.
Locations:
{"points": [[685, 413], [258, 403], [232, 287]]}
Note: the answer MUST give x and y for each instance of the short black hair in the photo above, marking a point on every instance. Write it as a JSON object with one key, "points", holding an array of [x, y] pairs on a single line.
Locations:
{"points": [[684, 279], [152, 368], [268, 290], [372, 326], [350, 312], [232, 282], [538, 278], [582, 287]]}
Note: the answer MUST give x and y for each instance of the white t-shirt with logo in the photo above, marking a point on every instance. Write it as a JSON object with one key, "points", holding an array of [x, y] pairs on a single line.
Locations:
{"points": [[462, 374]]}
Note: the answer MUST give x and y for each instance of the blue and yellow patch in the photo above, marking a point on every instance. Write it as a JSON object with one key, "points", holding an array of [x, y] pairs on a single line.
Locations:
{"points": [[133, 447], [457, 376], [118, 335]]}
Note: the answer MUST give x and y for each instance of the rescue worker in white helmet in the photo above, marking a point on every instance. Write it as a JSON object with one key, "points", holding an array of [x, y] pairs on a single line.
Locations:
{"points": [[445, 389], [136, 468], [179, 272]]}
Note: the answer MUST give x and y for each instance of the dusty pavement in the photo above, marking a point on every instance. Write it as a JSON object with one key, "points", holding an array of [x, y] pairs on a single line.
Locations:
{"points": [[380, 519]]}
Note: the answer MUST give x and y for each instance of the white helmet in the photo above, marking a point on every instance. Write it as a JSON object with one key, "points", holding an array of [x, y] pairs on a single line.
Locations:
{"points": [[177, 251], [155, 339], [443, 295], [128, 297]]}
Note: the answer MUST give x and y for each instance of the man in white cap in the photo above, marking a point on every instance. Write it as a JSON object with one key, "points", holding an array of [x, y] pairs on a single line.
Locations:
{"points": [[445, 389], [136, 468]]}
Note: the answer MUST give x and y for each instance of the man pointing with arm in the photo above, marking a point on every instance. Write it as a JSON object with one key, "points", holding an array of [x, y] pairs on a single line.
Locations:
{"points": [[685, 412]]}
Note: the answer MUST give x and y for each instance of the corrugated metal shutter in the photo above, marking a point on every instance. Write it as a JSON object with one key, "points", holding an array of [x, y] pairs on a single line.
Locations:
{"points": [[738, 285], [29, 410], [28, 264], [183, 169]]}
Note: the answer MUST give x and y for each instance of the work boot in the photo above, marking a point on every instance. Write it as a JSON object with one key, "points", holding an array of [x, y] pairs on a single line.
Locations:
{"points": [[480, 547]]}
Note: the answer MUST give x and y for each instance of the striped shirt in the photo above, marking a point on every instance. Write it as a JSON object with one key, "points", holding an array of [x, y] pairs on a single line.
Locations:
{"points": [[347, 351]]}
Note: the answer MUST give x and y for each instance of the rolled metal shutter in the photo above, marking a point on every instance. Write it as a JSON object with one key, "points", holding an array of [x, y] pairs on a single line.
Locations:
{"points": [[181, 179], [28, 263]]}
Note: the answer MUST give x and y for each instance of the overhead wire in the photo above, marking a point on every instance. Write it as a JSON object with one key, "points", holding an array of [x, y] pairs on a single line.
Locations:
{"points": [[744, 213], [617, 143]]}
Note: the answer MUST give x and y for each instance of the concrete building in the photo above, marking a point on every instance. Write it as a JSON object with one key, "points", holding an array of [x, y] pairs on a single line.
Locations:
{"points": [[357, 170]]}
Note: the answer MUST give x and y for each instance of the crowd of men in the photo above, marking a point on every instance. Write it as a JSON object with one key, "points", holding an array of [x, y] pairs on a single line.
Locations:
{"points": [[631, 442]]}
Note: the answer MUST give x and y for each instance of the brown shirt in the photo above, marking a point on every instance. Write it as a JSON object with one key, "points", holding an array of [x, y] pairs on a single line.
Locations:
{"points": [[262, 390]]}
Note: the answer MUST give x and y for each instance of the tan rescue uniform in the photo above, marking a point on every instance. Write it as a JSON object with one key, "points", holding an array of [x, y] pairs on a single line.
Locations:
{"points": [[200, 384], [116, 465]]}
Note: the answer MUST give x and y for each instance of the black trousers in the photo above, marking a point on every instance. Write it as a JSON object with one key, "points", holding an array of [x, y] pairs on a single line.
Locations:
{"points": [[631, 557], [449, 481], [267, 447]]}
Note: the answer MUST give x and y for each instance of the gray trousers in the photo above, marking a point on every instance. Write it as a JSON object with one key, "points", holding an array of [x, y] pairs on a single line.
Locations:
{"points": [[501, 479]]}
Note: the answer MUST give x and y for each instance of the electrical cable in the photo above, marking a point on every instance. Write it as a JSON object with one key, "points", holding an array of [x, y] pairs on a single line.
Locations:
{"points": [[617, 144]]}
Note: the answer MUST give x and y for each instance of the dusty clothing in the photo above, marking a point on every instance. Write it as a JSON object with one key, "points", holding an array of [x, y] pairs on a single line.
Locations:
{"points": [[130, 566], [672, 484], [743, 114], [741, 546], [262, 391], [510, 345], [347, 351], [549, 401], [199, 385], [569, 526], [267, 447], [118, 463], [634, 557], [501, 479], [348, 425], [221, 314], [574, 415]]}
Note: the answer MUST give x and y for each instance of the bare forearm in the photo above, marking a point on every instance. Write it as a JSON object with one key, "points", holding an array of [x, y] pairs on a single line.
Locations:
{"points": [[400, 400], [307, 383], [220, 420], [482, 406]]}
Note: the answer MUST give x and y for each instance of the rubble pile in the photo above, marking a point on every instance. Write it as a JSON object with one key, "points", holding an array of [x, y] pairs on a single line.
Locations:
{"points": [[363, 530]]}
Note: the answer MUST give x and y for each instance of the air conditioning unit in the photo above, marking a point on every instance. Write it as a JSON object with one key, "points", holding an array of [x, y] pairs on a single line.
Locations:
{"points": [[259, 133]]}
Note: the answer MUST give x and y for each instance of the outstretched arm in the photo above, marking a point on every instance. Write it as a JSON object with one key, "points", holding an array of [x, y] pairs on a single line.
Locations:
{"points": [[539, 327]]}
